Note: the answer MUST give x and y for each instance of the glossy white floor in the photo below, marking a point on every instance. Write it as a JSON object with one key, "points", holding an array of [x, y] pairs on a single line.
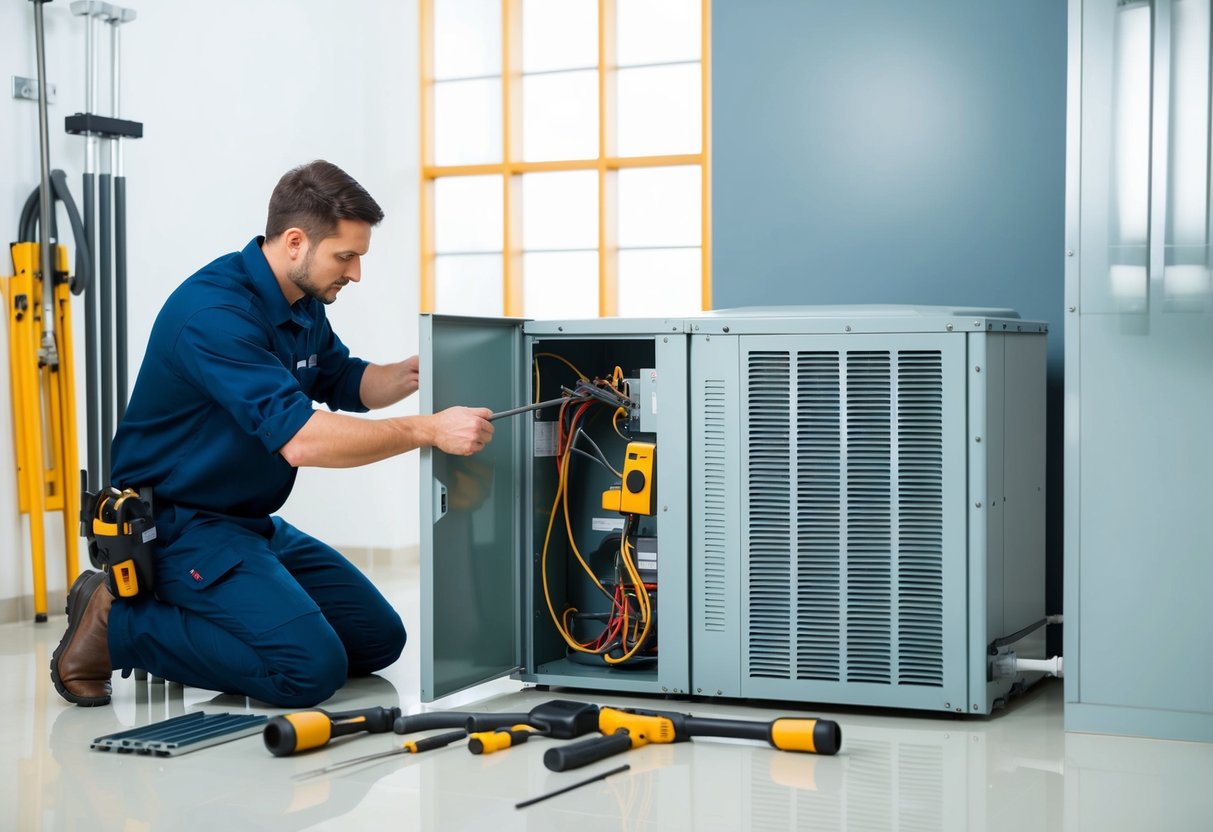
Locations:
{"points": [[1016, 771]]}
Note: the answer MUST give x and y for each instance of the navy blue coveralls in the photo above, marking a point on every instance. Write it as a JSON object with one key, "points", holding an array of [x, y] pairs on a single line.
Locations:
{"points": [[245, 603]]}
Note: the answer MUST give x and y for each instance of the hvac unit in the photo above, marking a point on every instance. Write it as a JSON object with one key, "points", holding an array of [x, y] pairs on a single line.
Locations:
{"points": [[849, 505]]}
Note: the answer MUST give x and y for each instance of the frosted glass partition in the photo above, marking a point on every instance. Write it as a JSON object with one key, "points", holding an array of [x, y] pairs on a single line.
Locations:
{"points": [[467, 122], [468, 284], [1186, 282], [659, 207], [560, 116], [560, 285], [560, 210], [659, 110], [657, 31], [467, 38], [559, 34], [660, 282], [1116, 205], [467, 211]]}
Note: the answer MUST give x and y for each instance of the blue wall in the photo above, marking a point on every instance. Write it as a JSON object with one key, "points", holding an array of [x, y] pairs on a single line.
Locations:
{"points": [[873, 151]]}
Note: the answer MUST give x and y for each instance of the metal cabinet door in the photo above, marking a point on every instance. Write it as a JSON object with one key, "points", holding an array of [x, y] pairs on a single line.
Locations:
{"points": [[470, 508]]}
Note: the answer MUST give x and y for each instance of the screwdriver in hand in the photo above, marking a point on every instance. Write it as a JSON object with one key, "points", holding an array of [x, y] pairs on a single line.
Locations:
{"points": [[527, 408]]}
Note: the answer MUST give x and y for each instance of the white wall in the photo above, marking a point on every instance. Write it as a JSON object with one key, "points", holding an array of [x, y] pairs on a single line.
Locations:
{"points": [[232, 94]]}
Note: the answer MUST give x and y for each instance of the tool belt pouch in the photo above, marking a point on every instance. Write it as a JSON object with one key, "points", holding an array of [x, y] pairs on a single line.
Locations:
{"points": [[121, 539]]}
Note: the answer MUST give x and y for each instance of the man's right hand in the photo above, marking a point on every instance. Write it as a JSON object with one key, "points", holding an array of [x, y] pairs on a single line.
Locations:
{"points": [[462, 431]]}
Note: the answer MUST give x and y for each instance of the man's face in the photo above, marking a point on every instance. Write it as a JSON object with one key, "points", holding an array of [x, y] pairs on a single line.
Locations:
{"points": [[334, 262]]}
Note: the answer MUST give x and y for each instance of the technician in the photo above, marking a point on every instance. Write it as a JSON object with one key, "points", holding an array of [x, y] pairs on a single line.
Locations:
{"points": [[220, 419]]}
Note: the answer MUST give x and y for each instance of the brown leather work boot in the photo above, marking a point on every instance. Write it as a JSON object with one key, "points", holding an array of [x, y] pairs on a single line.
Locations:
{"points": [[80, 666]]}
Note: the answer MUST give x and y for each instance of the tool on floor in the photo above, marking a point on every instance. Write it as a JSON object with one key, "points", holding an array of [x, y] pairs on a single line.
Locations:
{"points": [[560, 719], [182, 734], [576, 785], [625, 729], [291, 733], [302, 731], [410, 747], [486, 742]]}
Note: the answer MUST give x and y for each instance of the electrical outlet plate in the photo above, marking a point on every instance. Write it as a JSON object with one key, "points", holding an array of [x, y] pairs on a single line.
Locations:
{"points": [[28, 88]]}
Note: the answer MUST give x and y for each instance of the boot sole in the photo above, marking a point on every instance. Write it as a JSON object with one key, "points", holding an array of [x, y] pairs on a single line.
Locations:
{"points": [[73, 621]]}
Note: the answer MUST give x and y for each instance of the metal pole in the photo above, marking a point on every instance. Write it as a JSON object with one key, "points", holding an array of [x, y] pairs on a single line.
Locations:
{"points": [[120, 358], [91, 382], [107, 303], [48, 355]]}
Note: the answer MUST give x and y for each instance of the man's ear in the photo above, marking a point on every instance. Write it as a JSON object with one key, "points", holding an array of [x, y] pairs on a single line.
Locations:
{"points": [[296, 243]]}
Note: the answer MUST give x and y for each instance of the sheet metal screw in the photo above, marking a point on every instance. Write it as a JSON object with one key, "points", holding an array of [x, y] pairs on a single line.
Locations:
{"points": [[847, 327], [977, 504], [977, 369], [979, 439], [948, 327], [724, 329], [1069, 252]]}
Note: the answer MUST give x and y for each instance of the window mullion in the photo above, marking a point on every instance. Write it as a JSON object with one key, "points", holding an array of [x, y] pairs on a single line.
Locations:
{"points": [[608, 252], [511, 150], [426, 195], [705, 181]]}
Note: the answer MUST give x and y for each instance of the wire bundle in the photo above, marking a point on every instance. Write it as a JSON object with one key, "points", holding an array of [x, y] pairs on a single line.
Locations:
{"points": [[629, 623]]}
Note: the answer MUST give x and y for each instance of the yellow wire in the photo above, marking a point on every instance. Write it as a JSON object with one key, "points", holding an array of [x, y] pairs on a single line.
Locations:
{"points": [[563, 360], [543, 564], [568, 523], [642, 598], [615, 421]]}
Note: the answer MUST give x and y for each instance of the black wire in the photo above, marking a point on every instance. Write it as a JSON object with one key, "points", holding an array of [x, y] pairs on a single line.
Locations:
{"points": [[1014, 637]]}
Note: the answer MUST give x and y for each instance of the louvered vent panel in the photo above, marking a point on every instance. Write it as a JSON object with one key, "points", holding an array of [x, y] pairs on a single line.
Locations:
{"points": [[920, 517], [869, 530], [818, 516], [768, 404], [845, 493], [714, 506]]}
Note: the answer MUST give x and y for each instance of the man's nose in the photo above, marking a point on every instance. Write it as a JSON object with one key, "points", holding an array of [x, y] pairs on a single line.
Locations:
{"points": [[354, 271]]}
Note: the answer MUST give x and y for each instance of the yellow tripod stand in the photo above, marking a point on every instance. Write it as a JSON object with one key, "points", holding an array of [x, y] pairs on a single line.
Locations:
{"points": [[44, 410]]}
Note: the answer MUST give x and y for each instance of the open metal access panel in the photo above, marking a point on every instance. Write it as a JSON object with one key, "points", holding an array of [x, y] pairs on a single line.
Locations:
{"points": [[490, 561]]}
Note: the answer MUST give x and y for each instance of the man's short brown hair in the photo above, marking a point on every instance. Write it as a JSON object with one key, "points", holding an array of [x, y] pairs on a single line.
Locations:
{"points": [[314, 197]]}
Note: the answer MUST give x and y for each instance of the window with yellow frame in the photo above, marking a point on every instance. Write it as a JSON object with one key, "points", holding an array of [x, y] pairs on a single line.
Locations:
{"points": [[564, 157]]}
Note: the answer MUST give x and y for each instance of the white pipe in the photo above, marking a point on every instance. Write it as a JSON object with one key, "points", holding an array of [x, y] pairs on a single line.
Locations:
{"points": [[1050, 666]]}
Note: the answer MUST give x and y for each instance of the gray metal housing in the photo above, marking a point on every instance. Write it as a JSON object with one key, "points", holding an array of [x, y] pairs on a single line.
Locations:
{"points": [[851, 504]]}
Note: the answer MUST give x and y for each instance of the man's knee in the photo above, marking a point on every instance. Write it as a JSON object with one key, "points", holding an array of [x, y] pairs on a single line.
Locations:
{"points": [[310, 670], [381, 651]]}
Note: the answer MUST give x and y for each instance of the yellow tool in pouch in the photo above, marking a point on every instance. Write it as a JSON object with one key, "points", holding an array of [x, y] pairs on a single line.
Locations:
{"points": [[121, 536]]}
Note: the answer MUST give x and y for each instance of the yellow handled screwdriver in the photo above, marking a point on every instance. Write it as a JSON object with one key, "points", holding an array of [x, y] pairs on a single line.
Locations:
{"points": [[486, 742], [291, 733]]}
